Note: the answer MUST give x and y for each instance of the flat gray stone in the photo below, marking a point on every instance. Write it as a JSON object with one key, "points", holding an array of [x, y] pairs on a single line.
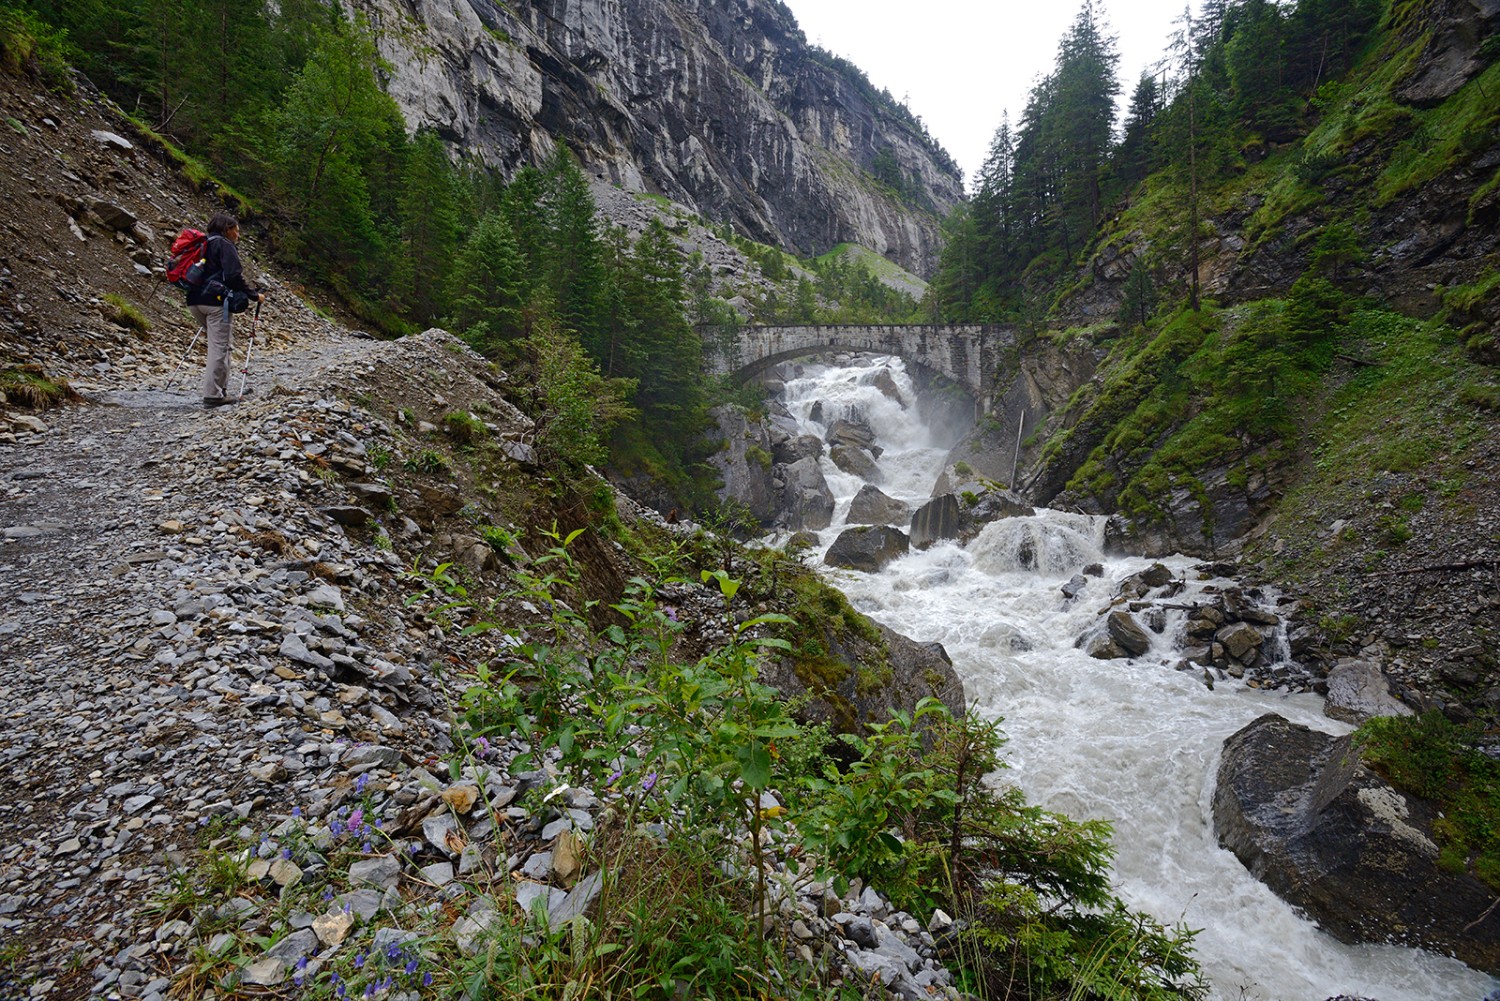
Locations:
{"points": [[577, 901], [381, 873], [1358, 690]]}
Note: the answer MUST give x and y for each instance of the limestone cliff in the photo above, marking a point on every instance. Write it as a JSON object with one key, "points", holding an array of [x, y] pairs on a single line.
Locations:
{"points": [[720, 105]]}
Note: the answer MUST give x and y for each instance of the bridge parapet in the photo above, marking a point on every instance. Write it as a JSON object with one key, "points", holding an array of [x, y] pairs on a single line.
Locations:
{"points": [[969, 354]]}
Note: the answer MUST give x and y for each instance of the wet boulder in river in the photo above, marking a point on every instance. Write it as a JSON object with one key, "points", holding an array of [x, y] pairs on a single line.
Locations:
{"points": [[869, 548], [1329, 835], [872, 506], [855, 462], [939, 518]]}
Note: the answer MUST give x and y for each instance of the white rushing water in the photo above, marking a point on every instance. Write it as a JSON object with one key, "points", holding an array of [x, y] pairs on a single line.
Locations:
{"points": [[1133, 742]]}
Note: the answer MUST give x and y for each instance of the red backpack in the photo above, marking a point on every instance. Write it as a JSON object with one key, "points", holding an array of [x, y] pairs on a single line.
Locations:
{"points": [[188, 263]]}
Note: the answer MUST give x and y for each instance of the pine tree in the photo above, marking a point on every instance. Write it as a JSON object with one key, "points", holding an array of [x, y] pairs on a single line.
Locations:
{"points": [[429, 223], [335, 132], [1083, 111], [485, 287], [1134, 153], [573, 257]]}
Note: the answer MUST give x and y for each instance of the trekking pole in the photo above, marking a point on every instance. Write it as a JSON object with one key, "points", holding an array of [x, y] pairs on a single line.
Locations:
{"points": [[183, 360], [249, 349]]}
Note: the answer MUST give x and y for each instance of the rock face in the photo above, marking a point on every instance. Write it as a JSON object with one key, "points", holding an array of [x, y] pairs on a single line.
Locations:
{"points": [[1332, 837], [937, 519], [745, 462], [806, 501], [1457, 30], [868, 548], [720, 105]]}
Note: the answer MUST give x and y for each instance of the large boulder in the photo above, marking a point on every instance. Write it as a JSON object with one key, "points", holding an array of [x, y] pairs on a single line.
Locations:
{"points": [[939, 518], [1332, 837], [868, 548], [864, 674], [855, 433], [806, 501], [855, 462], [1456, 31], [1125, 631], [791, 448], [872, 506], [744, 463], [1358, 690]]}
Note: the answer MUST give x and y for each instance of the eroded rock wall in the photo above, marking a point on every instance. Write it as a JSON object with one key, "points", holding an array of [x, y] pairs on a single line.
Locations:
{"points": [[719, 105]]}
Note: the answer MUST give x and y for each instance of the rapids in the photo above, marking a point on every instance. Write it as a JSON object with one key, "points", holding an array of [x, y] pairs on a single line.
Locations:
{"points": [[1133, 742]]}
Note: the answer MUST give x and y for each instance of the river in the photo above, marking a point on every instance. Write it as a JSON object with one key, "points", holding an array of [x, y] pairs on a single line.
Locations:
{"points": [[1133, 742]]}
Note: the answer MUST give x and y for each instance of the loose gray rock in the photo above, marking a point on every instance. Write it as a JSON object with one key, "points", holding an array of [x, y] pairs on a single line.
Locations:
{"points": [[1358, 690], [381, 873]]}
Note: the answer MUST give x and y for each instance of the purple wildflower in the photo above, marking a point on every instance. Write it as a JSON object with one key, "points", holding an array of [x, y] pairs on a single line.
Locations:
{"points": [[296, 811], [359, 961], [484, 746], [335, 826], [356, 820], [427, 979], [649, 782], [614, 777], [366, 848], [361, 782], [411, 967], [286, 853], [671, 612]]}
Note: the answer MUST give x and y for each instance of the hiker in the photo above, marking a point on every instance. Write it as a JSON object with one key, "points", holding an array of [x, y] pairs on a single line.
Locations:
{"points": [[215, 302]]}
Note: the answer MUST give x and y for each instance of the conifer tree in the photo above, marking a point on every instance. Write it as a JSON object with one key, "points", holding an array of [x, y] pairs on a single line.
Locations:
{"points": [[485, 288], [429, 224], [573, 256]]}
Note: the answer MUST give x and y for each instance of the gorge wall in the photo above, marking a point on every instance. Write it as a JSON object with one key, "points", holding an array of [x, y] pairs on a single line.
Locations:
{"points": [[720, 106]]}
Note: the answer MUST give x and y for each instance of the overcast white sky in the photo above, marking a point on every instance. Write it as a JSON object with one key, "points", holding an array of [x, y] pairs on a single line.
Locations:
{"points": [[961, 63]]}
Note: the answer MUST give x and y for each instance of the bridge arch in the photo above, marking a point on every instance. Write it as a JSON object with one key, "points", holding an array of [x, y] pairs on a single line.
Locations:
{"points": [[968, 354]]}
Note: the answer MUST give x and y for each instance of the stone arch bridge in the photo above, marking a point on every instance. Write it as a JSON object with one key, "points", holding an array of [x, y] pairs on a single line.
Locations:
{"points": [[968, 354]]}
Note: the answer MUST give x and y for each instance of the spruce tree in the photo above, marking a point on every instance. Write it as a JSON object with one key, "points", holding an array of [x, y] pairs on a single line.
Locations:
{"points": [[573, 256], [485, 289], [429, 223]]}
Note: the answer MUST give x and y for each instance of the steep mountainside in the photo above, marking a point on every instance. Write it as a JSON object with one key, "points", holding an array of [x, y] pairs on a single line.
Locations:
{"points": [[1334, 407], [723, 107]]}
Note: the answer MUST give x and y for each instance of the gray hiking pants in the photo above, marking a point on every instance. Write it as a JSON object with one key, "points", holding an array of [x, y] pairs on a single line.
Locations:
{"points": [[220, 348]]}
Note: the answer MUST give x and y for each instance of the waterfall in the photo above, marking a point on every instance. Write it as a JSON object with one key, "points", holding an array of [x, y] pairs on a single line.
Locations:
{"points": [[1134, 742]]}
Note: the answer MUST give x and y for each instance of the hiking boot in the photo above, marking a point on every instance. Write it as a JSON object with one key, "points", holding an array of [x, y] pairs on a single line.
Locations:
{"points": [[219, 401]]}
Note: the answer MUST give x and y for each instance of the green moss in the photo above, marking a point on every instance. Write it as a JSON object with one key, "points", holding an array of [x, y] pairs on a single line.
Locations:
{"points": [[1431, 757], [759, 456]]}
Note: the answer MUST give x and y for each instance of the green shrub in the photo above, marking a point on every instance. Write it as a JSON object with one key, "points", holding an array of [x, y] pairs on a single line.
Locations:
{"points": [[1436, 759], [28, 45], [28, 386], [463, 426]]}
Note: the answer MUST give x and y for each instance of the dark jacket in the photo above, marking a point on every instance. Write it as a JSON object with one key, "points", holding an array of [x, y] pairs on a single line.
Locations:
{"points": [[223, 270]]}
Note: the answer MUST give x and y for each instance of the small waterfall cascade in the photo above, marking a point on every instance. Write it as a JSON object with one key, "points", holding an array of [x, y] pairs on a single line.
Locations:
{"points": [[1131, 741]]}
